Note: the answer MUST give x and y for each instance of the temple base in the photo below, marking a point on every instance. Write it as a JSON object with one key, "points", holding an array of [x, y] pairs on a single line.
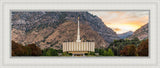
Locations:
{"points": [[77, 53]]}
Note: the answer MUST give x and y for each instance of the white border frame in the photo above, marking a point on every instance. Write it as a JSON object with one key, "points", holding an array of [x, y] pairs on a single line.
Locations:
{"points": [[8, 5]]}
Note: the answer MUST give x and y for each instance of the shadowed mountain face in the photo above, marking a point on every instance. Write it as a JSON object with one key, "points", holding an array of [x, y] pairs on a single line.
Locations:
{"points": [[125, 35], [141, 33], [50, 29]]}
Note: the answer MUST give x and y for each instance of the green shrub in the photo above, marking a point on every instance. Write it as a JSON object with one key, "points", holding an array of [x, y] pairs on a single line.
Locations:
{"points": [[91, 53], [65, 54], [51, 52], [110, 52]]}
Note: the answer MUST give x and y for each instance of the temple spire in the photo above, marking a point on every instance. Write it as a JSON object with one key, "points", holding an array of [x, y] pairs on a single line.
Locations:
{"points": [[78, 33]]}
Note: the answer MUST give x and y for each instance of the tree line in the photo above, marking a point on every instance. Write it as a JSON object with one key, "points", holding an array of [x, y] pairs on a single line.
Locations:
{"points": [[120, 47], [127, 47]]}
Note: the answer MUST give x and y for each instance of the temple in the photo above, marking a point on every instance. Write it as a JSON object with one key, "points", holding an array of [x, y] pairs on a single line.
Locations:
{"points": [[78, 48]]}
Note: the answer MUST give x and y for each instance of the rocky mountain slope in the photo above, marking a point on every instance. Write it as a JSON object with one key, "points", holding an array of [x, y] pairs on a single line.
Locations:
{"points": [[141, 33], [50, 29], [67, 32], [125, 35]]}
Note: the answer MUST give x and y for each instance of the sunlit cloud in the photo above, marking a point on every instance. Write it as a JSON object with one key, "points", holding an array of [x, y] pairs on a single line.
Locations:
{"points": [[116, 29], [123, 21]]}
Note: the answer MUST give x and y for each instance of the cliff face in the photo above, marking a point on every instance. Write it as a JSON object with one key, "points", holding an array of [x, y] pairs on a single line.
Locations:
{"points": [[50, 29], [141, 33]]}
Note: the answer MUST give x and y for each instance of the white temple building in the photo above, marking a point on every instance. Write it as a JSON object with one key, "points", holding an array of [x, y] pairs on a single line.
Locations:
{"points": [[78, 48]]}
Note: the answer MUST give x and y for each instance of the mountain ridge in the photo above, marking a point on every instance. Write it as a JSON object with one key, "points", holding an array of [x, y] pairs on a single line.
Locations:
{"points": [[125, 35], [141, 33], [37, 27]]}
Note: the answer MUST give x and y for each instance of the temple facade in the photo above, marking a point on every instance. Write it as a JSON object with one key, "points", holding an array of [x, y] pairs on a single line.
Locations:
{"points": [[78, 48]]}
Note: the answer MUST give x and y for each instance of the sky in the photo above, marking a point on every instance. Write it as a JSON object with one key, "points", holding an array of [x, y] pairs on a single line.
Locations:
{"points": [[123, 21]]}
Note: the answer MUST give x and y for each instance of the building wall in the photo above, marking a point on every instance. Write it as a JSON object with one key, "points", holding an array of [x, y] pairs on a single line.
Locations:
{"points": [[78, 46]]}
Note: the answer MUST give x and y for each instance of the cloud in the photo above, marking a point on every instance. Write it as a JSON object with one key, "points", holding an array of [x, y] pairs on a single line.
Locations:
{"points": [[116, 29], [123, 21]]}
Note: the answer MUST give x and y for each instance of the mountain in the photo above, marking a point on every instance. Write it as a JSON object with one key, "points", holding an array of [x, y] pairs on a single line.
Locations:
{"points": [[50, 29], [141, 33], [125, 35], [67, 32]]}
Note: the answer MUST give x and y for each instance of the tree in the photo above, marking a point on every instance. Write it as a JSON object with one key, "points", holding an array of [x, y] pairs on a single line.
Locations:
{"points": [[34, 50], [91, 53], [135, 39], [65, 54], [129, 50], [29, 50], [105, 53], [51, 52], [110, 52], [143, 48], [118, 45], [44, 52], [101, 52], [115, 50], [18, 49]]}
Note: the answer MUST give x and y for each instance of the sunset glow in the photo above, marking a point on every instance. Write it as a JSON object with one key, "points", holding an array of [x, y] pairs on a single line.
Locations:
{"points": [[123, 21]]}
